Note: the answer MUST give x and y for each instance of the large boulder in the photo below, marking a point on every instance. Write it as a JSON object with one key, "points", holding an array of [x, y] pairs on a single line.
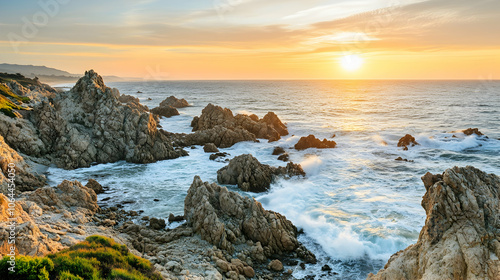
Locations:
{"points": [[227, 219], [250, 175], [461, 236], [269, 127], [88, 124], [174, 102], [312, 142], [165, 111]]}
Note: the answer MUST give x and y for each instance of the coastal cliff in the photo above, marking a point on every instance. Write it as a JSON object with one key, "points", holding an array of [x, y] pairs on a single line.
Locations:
{"points": [[461, 235]]}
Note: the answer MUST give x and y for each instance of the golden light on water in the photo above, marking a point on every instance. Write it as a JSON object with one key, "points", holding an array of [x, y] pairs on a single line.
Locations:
{"points": [[351, 62]]}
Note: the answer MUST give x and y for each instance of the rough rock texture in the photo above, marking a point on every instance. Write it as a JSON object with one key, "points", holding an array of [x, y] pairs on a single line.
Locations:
{"points": [[165, 111], [95, 186], [269, 127], [407, 141], [227, 219], [250, 175], [133, 102], [461, 235], [313, 142], [25, 178], [88, 124], [278, 151], [220, 136], [174, 102], [210, 148], [470, 131]]}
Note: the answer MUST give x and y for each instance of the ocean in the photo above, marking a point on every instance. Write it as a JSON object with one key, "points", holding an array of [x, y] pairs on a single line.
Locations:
{"points": [[357, 205]]}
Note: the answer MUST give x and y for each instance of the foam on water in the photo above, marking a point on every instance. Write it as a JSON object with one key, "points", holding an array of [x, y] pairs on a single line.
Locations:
{"points": [[357, 205]]}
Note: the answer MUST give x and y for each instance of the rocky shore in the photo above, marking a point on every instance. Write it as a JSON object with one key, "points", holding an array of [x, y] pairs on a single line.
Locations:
{"points": [[222, 234]]}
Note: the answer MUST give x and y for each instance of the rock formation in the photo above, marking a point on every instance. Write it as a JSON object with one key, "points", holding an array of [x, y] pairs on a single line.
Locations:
{"points": [[25, 178], [210, 148], [250, 175], [174, 102], [165, 111], [461, 236], [313, 142], [407, 141], [269, 127], [88, 124], [226, 219], [470, 131], [95, 186], [133, 102]]}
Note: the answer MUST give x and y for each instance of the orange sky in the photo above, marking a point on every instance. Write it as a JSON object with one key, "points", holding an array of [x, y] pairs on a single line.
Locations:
{"points": [[256, 39]]}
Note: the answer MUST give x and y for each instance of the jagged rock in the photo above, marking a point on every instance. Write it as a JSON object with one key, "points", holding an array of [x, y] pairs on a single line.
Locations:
{"points": [[269, 127], [173, 218], [165, 111], [470, 131], [174, 102], [275, 265], [95, 186], [226, 219], [66, 195], [210, 148], [250, 175], [25, 178], [278, 151], [88, 124], [403, 159], [460, 238], [407, 141], [313, 142], [157, 224], [220, 136], [133, 102]]}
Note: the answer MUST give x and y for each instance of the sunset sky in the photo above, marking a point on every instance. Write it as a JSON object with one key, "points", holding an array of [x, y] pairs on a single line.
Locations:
{"points": [[256, 39]]}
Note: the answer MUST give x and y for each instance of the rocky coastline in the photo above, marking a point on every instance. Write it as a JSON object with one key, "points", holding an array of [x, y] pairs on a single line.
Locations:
{"points": [[222, 234]]}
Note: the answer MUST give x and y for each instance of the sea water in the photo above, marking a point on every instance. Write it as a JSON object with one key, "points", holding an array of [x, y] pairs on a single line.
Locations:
{"points": [[357, 205]]}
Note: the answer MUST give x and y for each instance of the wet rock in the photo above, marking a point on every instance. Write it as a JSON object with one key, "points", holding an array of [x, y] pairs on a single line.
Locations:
{"points": [[173, 218], [94, 185], [250, 175], [313, 142], [218, 155], [284, 157], [210, 148], [278, 151], [275, 265], [326, 268], [403, 159], [460, 238], [157, 224], [407, 141], [165, 111], [226, 219], [174, 102], [470, 131]]}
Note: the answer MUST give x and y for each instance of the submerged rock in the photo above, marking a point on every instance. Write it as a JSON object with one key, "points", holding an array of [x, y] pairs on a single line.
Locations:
{"points": [[407, 141], [278, 151], [250, 175], [226, 220], [174, 102], [460, 238], [313, 142]]}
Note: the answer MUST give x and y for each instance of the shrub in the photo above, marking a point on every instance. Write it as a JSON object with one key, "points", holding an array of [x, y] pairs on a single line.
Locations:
{"points": [[27, 268], [66, 275]]}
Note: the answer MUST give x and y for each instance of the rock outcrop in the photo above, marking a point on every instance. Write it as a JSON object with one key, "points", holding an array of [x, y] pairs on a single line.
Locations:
{"points": [[407, 141], [461, 236], [312, 142], [133, 102], [250, 175], [174, 102], [88, 124], [210, 148], [95, 186], [269, 127], [25, 178], [220, 136], [226, 220]]}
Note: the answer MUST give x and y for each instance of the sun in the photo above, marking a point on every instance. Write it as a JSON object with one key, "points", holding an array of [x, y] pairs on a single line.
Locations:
{"points": [[351, 62]]}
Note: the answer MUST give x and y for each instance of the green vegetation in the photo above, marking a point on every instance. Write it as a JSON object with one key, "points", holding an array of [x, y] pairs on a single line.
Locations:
{"points": [[5, 91], [95, 258], [7, 105]]}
